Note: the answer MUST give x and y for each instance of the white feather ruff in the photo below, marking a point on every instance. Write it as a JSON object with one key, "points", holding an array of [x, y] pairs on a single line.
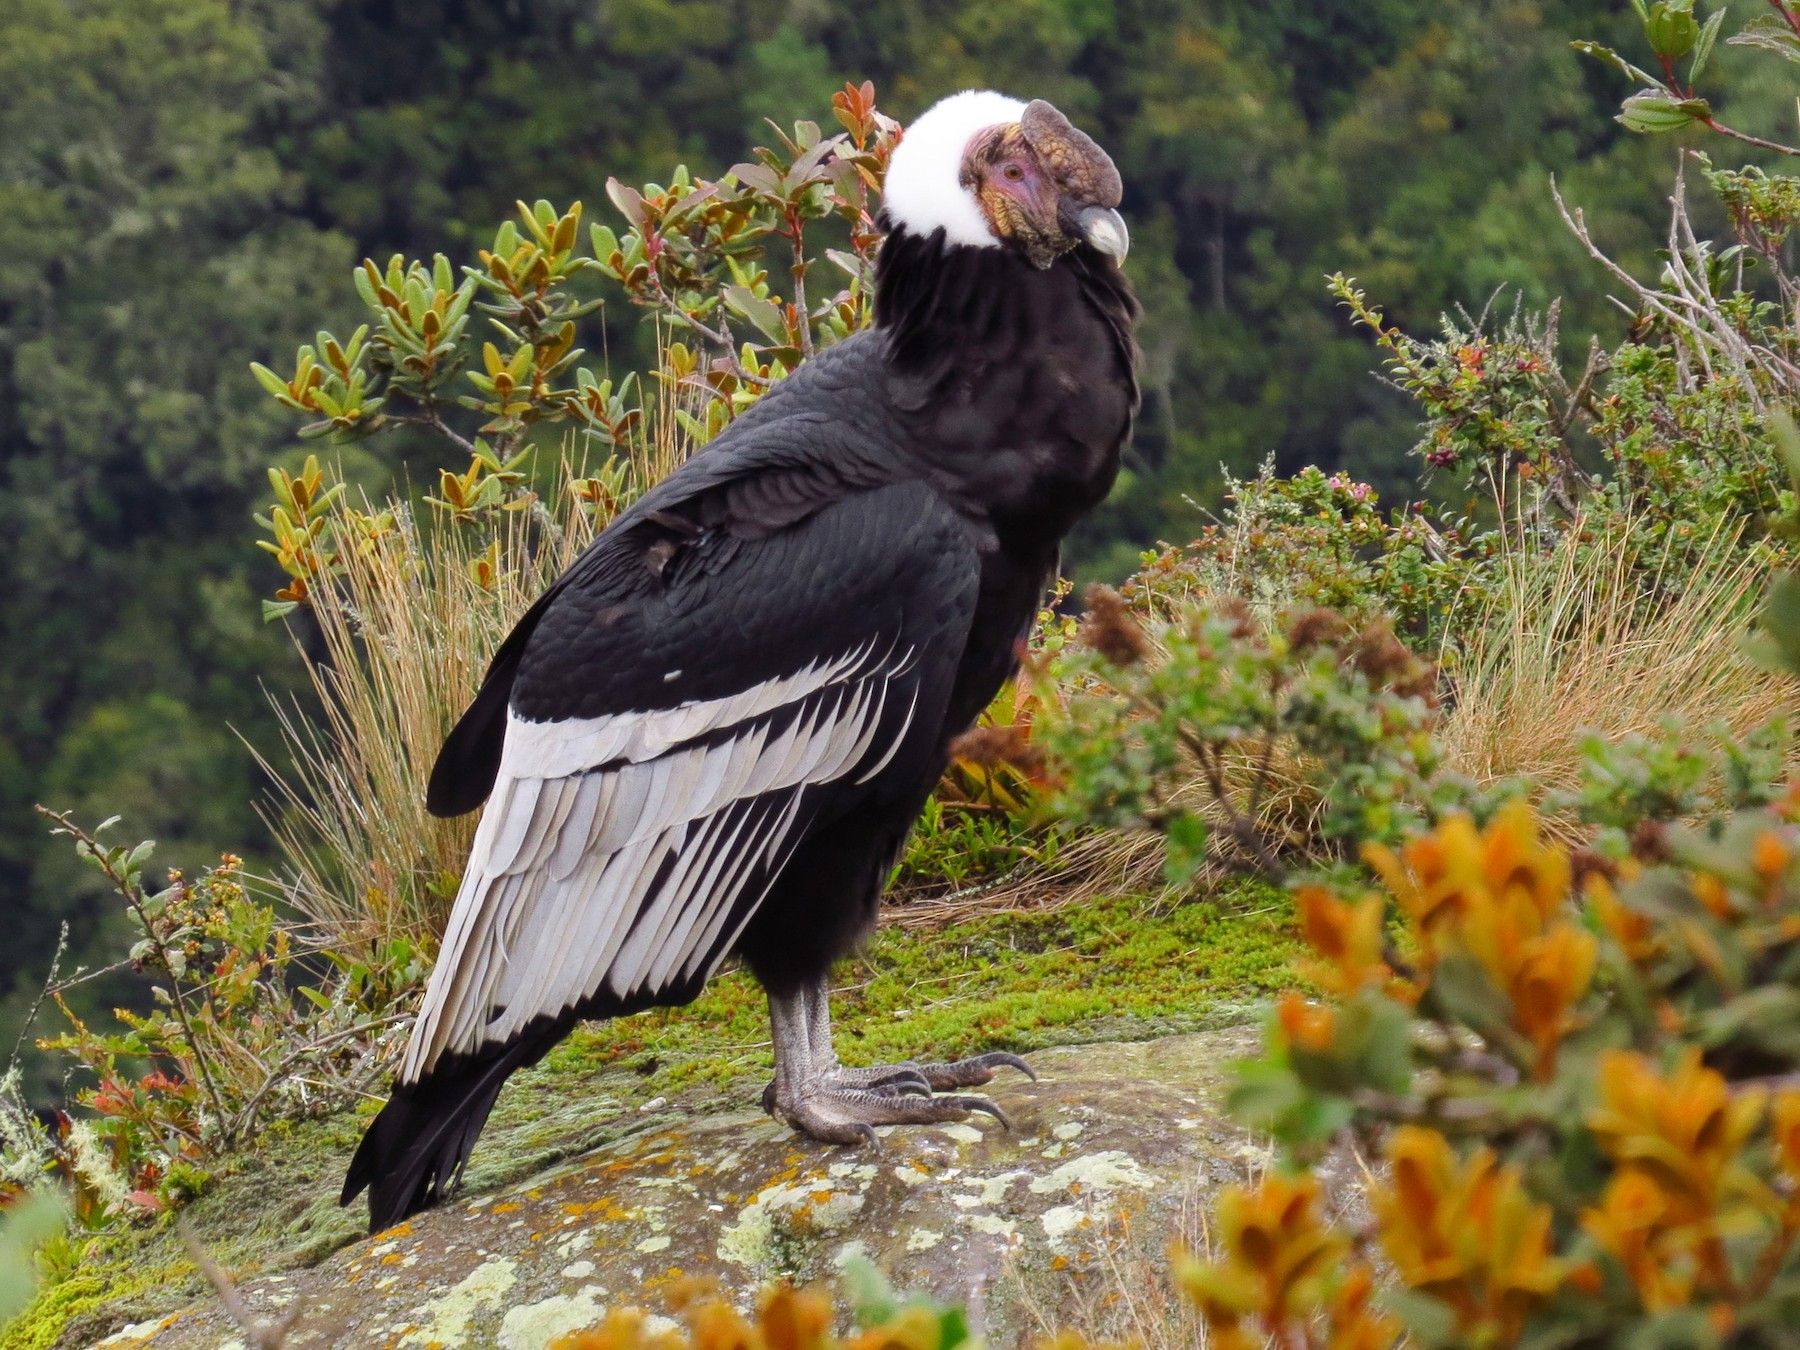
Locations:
{"points": [[924, 188], [616, 852]]}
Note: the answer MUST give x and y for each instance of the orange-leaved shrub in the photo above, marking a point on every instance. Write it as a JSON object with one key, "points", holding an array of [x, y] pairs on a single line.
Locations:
{"points": [[1580, 1072]]}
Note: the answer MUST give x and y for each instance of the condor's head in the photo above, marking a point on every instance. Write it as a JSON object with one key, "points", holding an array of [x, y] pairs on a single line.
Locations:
{"points": [[992, 172]]}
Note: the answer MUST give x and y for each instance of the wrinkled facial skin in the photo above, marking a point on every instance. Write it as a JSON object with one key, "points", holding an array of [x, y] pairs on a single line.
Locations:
{"points": [[1045, 187]]}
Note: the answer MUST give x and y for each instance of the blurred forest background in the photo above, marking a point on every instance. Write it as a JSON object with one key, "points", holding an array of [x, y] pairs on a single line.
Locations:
{"points": [[185, 186]]}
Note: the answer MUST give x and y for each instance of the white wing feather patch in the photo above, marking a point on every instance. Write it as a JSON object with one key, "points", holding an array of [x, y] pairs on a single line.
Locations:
{"points": [[619, 852]]}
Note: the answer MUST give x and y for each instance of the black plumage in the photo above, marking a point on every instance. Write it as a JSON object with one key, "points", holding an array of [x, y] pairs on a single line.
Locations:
{"points": [[765, 660]]}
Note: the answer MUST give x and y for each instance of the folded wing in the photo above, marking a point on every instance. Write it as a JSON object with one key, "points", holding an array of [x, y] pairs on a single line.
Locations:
{"points": [[622, 854]]}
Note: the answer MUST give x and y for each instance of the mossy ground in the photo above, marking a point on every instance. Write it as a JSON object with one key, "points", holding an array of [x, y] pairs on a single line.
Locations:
{"points": [[1109, 969]]}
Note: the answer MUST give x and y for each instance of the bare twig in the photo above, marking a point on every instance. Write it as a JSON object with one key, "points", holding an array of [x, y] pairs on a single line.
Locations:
{"points": [[258, 1334], [276, 1075], [135, 899], [1689, 307], [431, 418], [50, 987]]}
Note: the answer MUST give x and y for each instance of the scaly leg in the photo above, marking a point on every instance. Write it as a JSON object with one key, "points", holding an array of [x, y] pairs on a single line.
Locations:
{"points": [[819, 1097], [961, 1073]]}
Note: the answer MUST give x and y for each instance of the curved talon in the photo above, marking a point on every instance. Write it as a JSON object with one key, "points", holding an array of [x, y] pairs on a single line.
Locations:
{"points": [[974, 1071], [983, 1105], [996, 1059]]}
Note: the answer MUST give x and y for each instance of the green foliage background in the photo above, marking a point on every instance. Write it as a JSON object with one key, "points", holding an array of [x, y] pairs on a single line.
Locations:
{"points": [[185, 185]]}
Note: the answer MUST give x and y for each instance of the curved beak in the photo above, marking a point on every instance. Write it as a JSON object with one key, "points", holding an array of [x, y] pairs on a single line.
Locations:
{"points": [[1104, 228]]}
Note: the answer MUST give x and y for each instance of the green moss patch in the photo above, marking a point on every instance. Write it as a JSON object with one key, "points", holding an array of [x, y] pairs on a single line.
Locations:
{"points": [[1109, 969]]}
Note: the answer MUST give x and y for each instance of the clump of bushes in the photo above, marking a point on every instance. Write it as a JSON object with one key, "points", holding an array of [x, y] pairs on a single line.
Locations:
{"points": [[1579, 1070], [1240, 744], [253, 1019]]}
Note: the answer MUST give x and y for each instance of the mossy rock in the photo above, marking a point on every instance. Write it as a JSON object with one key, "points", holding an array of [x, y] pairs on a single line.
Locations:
{"points": [[1014, 1223], [1111, 970]]}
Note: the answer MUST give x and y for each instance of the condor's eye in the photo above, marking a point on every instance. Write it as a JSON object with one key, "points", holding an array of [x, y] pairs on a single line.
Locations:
{"points": [[1013, 171]]}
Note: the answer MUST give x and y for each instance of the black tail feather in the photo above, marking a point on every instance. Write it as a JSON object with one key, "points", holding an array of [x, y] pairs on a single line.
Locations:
{"points": [[415, 1150]]}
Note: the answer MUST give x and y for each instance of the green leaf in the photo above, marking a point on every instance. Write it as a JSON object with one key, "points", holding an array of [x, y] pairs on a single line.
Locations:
{"points": [[278, 609], [1430, 1320], [1461, 987], [871, 1297], [1185, 848], [1653, 112], [1671, 29], [629, 201], [1771, 34], [1386, 1059], [1264, 1093], [953, 1329], [1703, 48], [24, 1227], [1776, 646], [762, 313], [270, 381]]}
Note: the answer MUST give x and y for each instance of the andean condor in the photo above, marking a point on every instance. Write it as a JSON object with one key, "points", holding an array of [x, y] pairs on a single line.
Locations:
{"points": [[712, 734]]}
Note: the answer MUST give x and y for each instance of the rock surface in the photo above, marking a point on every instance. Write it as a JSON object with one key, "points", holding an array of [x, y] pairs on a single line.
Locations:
{"points": [[1112, 1146]]}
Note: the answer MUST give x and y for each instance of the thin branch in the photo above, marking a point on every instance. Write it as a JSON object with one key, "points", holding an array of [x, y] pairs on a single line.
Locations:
{"points": [[50, 987], [82, 976], [430, 418], [1669, 305], [1747, 138], [796, 235], [1241, 828], [246, 1114], [135, 899], [258, 1334]]}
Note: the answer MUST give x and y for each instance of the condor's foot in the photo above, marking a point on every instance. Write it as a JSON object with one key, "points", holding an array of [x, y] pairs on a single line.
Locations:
{"points": [[894, 1080], [819, 1097], [959, 1073], [850, 1115]]}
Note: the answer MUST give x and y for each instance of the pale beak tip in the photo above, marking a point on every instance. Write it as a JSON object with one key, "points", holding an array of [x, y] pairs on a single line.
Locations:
{"points": [[1104, 229]]}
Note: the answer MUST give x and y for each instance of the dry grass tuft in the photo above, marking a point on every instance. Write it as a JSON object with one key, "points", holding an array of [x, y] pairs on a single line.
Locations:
{"points": [[406, 633], [1596, 639], [402, 637]]}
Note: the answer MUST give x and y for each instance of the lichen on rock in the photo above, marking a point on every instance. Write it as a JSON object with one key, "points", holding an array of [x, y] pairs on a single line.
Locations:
{"points": [[975, 1213]]}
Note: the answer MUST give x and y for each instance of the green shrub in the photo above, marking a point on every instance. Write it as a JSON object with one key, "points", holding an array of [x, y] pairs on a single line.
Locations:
{"points": [[252, 1021], [1280, 742]]}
